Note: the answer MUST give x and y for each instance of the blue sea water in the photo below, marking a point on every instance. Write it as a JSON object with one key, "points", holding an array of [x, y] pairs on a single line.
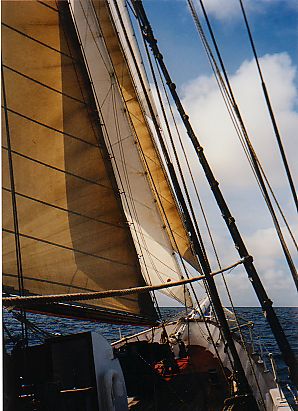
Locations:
{"points": [[288, 317]]}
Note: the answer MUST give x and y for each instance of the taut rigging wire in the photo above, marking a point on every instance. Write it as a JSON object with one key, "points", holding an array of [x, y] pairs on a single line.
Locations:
{"points": [[130, 208], [14, 205], [184, 184], [241, 378], [270, 109], [263, 298], [210, 235], [185, 190], [254, 160], [229, 102], [229, 105], [100, 106], [176, 158], [195, 220], [169, 164]]}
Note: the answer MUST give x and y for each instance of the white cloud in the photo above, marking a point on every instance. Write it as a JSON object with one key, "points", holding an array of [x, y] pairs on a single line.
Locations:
{"points": [[210, 118], [204, 105], [229, 9], [274, 273]]}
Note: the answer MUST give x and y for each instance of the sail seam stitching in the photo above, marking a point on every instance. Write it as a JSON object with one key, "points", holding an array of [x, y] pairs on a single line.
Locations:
{"points": [[64, 209], [52, 128], [37, 41], [44, 85], [67, 248], [57, 169]]}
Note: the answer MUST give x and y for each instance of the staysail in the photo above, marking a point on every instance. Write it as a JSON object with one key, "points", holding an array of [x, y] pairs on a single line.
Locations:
{"points": [[72, 228], [148, 201], [138, 111]]}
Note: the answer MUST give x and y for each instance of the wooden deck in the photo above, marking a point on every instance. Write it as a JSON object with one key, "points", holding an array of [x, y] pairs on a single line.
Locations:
{"points": [[193, 392]]}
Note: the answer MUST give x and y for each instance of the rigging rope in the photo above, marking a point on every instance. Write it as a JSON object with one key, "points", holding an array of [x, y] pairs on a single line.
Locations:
{"points": [[170, 232], [205, 219], [251, 151], [177, 162], [48, 299], [128, 197], [110, 92], [169, 165], [230, 108], [148, 35], [229, 102], [14, 205], [263, 298], [187, 195], [200, 204], [270, 109]]}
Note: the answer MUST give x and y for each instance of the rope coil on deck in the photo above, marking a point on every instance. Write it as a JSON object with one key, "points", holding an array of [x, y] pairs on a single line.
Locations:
{"points": [[57, 298]]}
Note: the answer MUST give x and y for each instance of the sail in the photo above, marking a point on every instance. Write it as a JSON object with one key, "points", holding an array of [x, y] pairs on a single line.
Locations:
{"points": [[157, 257], [72, 229], [138, 111]]}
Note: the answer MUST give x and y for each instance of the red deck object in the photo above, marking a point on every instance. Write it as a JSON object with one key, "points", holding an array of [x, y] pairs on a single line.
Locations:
{"points": [[167, 373]]}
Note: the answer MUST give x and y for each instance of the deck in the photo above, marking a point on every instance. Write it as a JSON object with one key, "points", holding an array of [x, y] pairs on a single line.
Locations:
{"points": [[193, 392]]}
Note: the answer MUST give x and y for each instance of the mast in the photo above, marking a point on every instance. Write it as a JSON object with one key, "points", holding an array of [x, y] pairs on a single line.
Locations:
{"points": [[243, 386], [253, 276]]}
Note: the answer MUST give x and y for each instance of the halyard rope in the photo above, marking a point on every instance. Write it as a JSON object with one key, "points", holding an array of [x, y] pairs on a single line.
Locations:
{"points": [[56, 298]]}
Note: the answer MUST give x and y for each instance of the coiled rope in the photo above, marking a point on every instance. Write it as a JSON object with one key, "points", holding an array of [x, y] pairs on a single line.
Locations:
{"points": [[58, 298]]}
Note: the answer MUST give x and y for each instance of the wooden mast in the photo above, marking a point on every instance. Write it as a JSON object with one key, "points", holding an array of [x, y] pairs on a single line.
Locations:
{"points": [[253, 276]]}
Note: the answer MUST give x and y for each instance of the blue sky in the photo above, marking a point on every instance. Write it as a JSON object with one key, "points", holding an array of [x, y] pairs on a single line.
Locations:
{"points": [[274, 24]]}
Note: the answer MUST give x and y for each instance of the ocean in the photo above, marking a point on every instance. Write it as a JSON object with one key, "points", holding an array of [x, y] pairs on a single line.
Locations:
{"points": [[265, 343]]}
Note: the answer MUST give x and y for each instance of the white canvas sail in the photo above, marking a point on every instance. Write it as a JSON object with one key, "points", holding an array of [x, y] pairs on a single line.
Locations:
{"points": [[154, 247], [133, 95], [71, 225]]}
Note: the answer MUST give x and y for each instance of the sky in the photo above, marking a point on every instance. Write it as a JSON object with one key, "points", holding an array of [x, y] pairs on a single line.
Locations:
{"points": [[274, 25]]}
